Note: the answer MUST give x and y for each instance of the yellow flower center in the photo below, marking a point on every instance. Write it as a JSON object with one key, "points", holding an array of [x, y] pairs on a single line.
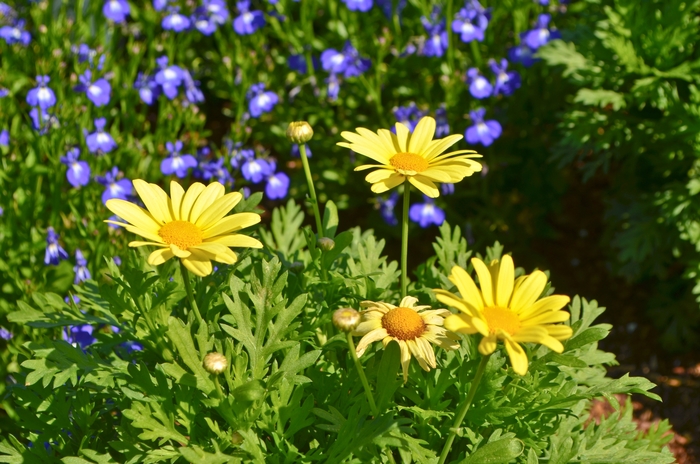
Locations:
{"points": [[501, 318], [184, 234], [409, 162], [403, 324]]}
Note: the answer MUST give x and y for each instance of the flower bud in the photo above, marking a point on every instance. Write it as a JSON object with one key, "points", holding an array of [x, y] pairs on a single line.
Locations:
{"points": [[325, 243], [346, 319], [296, 267], [236, 438], [299, 132], [215, 363]]}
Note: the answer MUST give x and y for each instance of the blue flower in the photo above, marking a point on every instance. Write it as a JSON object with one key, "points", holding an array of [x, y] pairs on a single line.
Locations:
{"points": [[470, 24], [117, 260], [277, 184], [169, 77], [442, 126], [386, 208], [115, 188], [159, 5], [81, 271], [148, 88], [217, 9], [177, 163], [333, 87], [79, 335], [447, 189], [349, 62], [296, 151], [192, 92], [84, 52], [42, 121], [15, 33], [479, 86], [116, 10], [483, 132], [4, 138], [426, 213], [541, 34], [97, 92], [4, 92], [359, 5], [203, 22], [217, 171], [239, 155], [506, 82], [436, 43], [256, 170], [522, 54], [408, 116], [259, 101], [78, 173], [41, 96], [387, 7], [175, 21], [54, 251], [5, 334], [100, 141], [248, 21], [297, 63]]}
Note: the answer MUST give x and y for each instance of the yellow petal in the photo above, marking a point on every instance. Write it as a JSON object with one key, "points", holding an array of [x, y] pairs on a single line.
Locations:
{"points": [[504, 284], [530, 334], [218, 210], [176, 195], [488, 345], [133, 214], [439, 145], [548, 303], [546, 317], [160, 256], [460, 323], [560, 332], [449, 299], [376, 140], [553, 344], [189, 199], [422, 135], [428, 353], [137, 243], [437, 175], [379, 175], [390, 141], [215, 251], [364, 167], [143, 233], [405, 358], [402, 136], [206, 199], [425, 185], [155, 199], [370, 338], [528, 291], [390, 183], [467, 288], [180, 253], [230, 224], [518, 358], [197, 267], [236, 241], [484, 281]]}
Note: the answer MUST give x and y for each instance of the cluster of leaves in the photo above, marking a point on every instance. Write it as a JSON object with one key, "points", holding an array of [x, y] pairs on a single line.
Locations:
{"points": [[635, 121], [291, 393]]}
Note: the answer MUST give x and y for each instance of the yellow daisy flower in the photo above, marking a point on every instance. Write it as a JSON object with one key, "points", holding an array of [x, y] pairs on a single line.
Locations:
{"points": [[415, 157], [506, 309], [191, 225], [410, 326]]}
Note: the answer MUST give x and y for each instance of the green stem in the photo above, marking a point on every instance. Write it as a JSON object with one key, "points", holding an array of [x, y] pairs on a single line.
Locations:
{"points": [[190, 295], [312, 190], [477, 53], [404, 239], [450, 39], [360, 370], [464, 408]]}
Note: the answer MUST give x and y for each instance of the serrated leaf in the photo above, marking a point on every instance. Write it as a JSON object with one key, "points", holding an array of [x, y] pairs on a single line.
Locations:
{"points": [[497, 452], [601, 98]]}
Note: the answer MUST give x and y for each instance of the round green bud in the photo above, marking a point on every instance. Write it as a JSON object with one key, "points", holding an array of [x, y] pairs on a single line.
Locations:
{"points": [[296, 267], [215, 363], [346, 319], [299, 132], [325, 243]]}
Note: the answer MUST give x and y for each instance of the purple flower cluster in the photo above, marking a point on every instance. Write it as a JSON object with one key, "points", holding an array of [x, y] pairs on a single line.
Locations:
{"points": [[260, 101], [256, 170], [177, 163], [359, 5], [471, 21], [248, 21], [115, 187], [78, 173], [436, 42], [347, 62], [54, 252], [15, 33], [533, 39], [507, 82], [168, 80]]}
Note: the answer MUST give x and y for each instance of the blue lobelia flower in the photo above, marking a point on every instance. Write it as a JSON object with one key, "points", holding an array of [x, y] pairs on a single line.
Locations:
{"points": [[217, 10], [240, 155], [479, 86], [4, 138], [4, 92], [483, 132], [81, 271], [100, 142], [41, 96], [408, 116], [506, 82], [470, 24], [297, 63], [203, 22], [192, 91], [387, 7], [333, 87], [349, 62], [5, 334], [541, 34], [79, 335], [114, 188], [78, 173], [159, 5], [359, 5], [436, 43], [296, 151], [148, 88], [15, 33], [216, 170], [175, 21], [259, 101], [522, 54], [169, 77], [84, 52], [97, 92], [116, 10], [277, 184], [256, 170], [426, 213], [442, 126], [42, 120], [447, 188], [176, 163], [386, 208], [54, 251], [248, 21]]}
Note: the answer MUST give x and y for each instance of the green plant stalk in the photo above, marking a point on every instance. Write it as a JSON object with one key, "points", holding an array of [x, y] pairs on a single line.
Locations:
{"points": [[404, 239], [312, 191], [477, 53], [450, 39], [361, 372], [190, 295], [464, 408]]}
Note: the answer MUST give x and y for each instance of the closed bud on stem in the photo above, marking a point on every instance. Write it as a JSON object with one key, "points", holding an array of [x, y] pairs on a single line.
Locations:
{"points": [[299, 132], [236, 438], [346, 319], [296, 267], [325, 243], [215, 363]]}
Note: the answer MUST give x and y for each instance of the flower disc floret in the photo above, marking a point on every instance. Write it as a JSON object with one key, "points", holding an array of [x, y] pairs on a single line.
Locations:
{"points": [[403, 324], [409, 163], [184, 234]]}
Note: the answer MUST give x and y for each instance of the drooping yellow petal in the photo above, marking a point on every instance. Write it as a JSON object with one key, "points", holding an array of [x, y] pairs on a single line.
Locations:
{"points": [[484, 281], [552, 343], [391, 182], [560, 332], [364, 167], [488, 345], [518, 358], [405, 358], [134, 214], [197, 267], [379, 175], [180, 253], [425, 185], [159, 256], [504, 284], [214, 251], [369, 338]]}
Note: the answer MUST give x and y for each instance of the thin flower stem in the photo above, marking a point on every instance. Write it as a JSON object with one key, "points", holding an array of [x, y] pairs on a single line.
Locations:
{"points": [[404, 239], [312, 190], [476, 53], [450, 38], [360, 370], [190, 295], [464, 408]]}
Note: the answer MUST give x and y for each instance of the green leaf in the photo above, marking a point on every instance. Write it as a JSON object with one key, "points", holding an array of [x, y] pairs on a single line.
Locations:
{"points": [[389, 381], [498, 452], [601, 98], [341, 243], [180, 336], [330, 219], [155, 422]]}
